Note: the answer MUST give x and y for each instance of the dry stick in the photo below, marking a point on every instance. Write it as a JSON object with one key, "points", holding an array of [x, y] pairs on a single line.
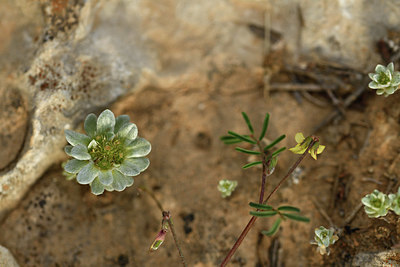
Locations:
{"points": [[322, 212], [167, 216], [311, 87], [358, 207], [347, 102], [254, 218], [352, 214], [314, 100]]}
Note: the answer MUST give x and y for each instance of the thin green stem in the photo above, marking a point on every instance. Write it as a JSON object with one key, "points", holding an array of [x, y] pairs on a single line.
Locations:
{"points": [[147, 191]]}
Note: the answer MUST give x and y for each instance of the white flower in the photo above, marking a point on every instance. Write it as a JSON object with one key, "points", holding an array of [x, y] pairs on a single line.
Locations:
{"points": [[109, 155]]}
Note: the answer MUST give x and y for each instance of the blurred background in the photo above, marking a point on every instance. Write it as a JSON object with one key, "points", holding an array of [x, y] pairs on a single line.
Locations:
{"points": [[184, 71]]}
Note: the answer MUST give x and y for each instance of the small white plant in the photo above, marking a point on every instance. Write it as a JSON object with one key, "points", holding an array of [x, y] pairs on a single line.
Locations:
{"points": [[226, 187], [324, 238], [378, 204], [395, 202], [385, 80]]}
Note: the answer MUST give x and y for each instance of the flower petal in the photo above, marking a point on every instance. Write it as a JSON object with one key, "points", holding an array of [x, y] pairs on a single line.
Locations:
{"points": [[396, 79], [313, 153], [138, 148], [97, 187], [121, 121], [134, 166], [371, 76], [128, 131], [374, 85], [120, 181], [68, 149], [75, 138], [91, 125], [380, 91], [298, 149], [105, 177], [74, 165], [80, 152], [390, 90], [106, 122], [380, 68], [109, 188], [390, 67], [320, 149], [87, 174], [299, 137], [129, 181], [389, 75]]}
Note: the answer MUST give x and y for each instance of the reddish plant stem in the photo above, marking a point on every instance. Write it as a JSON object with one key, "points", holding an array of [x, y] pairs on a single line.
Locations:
{"points": [[263, 180], [171, 225], [294, 166], [264, 172], [254, 218]]}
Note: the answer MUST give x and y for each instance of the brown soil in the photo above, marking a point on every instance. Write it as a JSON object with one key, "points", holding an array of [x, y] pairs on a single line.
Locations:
{"points": [[60, 223]]}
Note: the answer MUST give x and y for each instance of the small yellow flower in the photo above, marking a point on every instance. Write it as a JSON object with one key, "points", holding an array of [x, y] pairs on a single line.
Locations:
{"points": [[303, 143]]}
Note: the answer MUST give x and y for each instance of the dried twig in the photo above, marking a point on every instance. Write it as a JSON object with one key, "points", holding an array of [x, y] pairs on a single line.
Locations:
{"points": [[352, 214], [312, 87], [314, 100], [347, 102], [322, 212]]}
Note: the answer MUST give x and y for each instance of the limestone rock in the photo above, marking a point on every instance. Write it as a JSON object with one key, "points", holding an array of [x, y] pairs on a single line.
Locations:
{"points": [[6, 258], [69, 58], [385, 258]]}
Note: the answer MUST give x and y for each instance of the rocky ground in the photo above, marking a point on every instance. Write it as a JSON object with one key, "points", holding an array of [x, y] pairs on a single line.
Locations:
{"points": [[184, 72]]}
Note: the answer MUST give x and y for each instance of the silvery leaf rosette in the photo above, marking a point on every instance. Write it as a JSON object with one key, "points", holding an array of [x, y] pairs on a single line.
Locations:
{"points": [[108, 155], [376, 204], [385, 80]]}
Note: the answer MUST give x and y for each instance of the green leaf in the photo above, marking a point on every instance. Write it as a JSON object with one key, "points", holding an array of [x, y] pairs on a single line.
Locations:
{"points": [[276, 141], [68, 149], [74, 165], [260, 206], [228, 139], [278, 151], [269, 213], [251, 164], [273, 229], [133, 166], [90, 124], [140, 147], [265, 126], [231, 142], [120, 121], [247, 151], [80, 152], [105, 177], [242, 137], [96, 187], [296, 217], [120, 181], [75, 138], [128, 131], [247, 120], [288, 208], [87, 174], [105, 122]]}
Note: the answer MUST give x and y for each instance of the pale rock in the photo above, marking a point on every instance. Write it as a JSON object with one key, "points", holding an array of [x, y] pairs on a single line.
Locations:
{"points": [[6, 258], [68, 61]]}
